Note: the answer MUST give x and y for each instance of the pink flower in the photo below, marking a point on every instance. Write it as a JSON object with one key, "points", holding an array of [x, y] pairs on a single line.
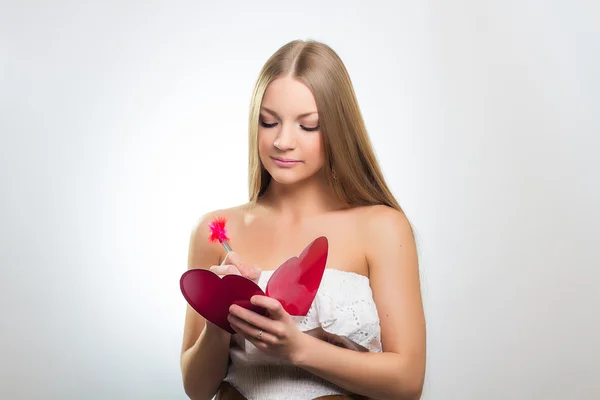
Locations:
{"points": [[217, 230]]}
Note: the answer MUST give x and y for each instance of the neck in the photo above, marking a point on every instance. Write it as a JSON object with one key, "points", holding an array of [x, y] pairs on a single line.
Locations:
{"points": [[300, 200]]}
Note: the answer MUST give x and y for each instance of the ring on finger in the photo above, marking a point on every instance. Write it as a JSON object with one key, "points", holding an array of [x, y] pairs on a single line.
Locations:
{"points": [[259, 334]]}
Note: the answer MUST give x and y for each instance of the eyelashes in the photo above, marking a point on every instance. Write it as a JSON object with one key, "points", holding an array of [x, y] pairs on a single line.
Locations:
{"points": [[308, 129], [265, 125]]}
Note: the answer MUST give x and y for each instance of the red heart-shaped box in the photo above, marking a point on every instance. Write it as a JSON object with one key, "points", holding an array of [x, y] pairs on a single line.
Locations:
{"points": [[294, 284]]}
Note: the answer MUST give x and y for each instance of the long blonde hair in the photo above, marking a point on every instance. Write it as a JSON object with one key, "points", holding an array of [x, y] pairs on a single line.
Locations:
{"points": [[347, 146]]}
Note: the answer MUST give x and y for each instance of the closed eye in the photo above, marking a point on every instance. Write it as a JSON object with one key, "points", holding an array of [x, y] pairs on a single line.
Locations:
{"points": [[265, 125], [306, 128]]}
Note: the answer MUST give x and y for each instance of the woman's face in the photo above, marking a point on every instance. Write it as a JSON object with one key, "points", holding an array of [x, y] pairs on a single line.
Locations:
{"points": [[289, 136]]}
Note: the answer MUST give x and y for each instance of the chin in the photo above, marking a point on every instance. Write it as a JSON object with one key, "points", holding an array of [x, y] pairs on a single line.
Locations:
{"points": [[287, 178], [290, 176]]}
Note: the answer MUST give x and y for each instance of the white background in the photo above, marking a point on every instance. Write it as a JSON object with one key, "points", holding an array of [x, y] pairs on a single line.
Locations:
{"points": [[122, 122]]}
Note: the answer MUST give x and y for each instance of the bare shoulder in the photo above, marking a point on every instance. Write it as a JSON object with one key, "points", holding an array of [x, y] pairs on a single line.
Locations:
{"points": [[375, 215], [234, 215], [202, 254], [384, 228]]}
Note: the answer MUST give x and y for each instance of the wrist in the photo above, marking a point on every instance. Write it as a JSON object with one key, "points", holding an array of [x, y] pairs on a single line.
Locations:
{"points": [[301, 354]]}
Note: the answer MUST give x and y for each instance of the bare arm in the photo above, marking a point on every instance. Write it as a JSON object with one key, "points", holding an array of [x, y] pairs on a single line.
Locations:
{"points": [[205, 349], [398, 372]]}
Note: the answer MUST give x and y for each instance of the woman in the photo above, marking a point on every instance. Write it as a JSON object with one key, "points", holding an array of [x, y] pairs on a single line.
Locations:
{"points": [[312, 172]]}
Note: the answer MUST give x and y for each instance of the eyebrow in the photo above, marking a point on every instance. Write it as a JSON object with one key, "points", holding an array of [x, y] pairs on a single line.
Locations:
{"points": [[300, 116]]}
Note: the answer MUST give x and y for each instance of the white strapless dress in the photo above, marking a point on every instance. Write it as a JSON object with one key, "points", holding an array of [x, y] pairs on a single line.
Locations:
{"points": [[343, 306]]}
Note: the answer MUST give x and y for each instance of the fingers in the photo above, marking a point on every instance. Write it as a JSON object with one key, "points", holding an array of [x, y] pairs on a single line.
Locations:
{"points": [[273, 306], [225, 269], [252, 317], [251, 332], [245, 269]]}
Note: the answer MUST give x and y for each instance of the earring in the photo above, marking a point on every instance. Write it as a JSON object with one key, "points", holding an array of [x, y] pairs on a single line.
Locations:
{"points": [[333, 174]]}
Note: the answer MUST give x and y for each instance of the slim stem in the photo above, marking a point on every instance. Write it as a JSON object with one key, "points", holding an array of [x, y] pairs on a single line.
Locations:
{"points": [[226, 245]]}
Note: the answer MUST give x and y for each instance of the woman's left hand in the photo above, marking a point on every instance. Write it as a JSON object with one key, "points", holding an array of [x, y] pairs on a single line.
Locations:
{"points": [[275, 334]]}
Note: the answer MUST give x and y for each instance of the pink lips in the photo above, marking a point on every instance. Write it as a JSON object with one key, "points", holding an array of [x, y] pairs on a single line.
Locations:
{"points": [[284, 162]]}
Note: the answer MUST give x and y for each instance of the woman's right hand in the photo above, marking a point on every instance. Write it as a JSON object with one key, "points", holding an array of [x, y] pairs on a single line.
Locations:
{"points": [[234, 265]]}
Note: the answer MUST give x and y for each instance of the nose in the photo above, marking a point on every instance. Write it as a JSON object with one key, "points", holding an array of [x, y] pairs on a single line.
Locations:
{"points": [[285, 140]]}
